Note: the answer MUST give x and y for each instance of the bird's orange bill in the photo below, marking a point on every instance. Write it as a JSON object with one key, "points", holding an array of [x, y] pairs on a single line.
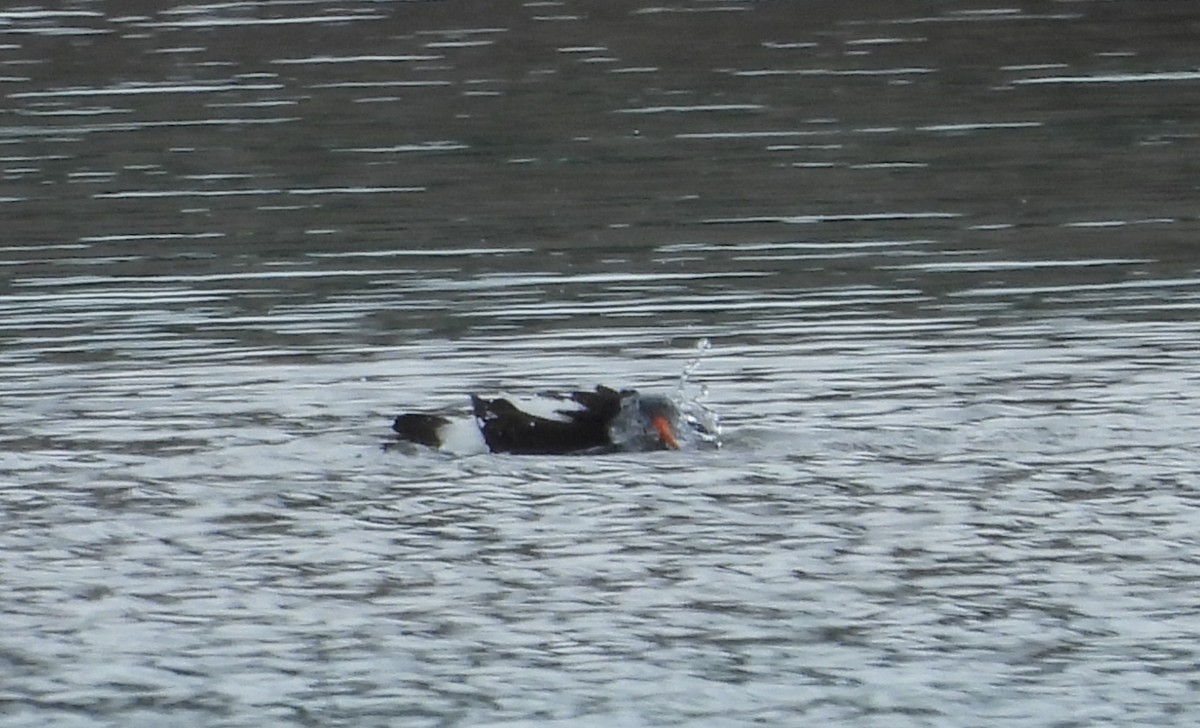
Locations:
{"points": [[666, 432]]}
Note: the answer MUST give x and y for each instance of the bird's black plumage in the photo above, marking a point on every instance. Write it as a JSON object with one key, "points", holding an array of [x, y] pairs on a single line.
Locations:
{"points": [[599, 420], [507, 428]]}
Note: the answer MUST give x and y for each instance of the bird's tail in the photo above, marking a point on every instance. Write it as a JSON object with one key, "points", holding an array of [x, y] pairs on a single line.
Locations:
{"points": [[421, 429]]}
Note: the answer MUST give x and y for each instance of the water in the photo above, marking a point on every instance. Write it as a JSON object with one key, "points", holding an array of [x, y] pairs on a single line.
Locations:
{"points": [[944, 255]]}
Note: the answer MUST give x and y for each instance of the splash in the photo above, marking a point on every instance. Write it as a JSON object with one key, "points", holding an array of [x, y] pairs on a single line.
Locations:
{"points": [[693, 400]]}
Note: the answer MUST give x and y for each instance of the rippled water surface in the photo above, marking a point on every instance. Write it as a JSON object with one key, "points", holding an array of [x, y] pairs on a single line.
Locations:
{"points": [[944, 252]]}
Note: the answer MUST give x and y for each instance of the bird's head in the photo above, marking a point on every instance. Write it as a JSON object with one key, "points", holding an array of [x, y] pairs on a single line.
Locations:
{"points": [[647, 422]]}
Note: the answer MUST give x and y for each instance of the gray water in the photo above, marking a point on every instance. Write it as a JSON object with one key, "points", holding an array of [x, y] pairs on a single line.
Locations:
{"points": [[945, 254]]}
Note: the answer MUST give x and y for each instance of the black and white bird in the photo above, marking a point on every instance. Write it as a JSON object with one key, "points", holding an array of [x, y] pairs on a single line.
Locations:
{"points": [[601, 420]]}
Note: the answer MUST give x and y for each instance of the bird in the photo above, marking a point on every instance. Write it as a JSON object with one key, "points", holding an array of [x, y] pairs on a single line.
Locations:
{"points": [[588, 421]]}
